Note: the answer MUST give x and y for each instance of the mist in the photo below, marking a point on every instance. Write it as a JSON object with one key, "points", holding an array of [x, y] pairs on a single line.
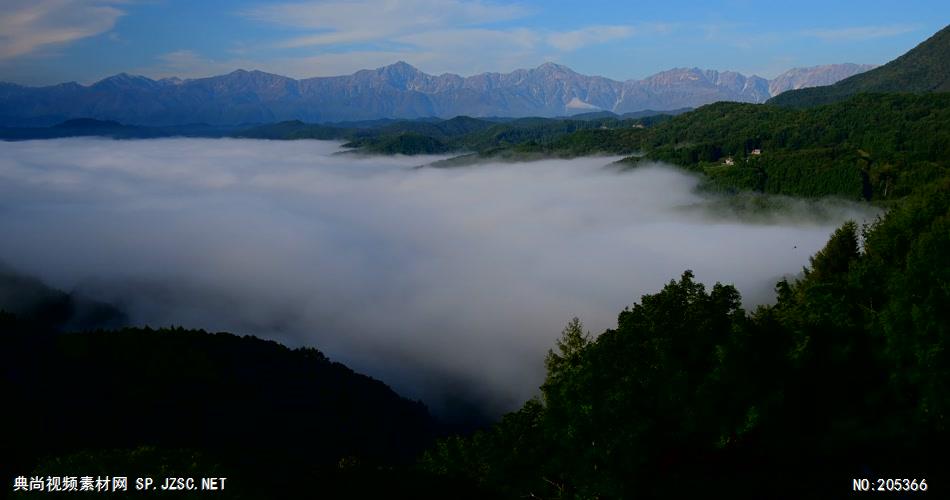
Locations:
{"points": [[448, 284]]}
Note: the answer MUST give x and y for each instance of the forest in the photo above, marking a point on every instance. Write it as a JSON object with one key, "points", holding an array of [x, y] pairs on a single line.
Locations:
{"points": [[845, 376], [187, 403]]}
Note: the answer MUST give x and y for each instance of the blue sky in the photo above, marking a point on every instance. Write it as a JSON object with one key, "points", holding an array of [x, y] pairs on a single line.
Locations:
{"points": [[51, 41]]}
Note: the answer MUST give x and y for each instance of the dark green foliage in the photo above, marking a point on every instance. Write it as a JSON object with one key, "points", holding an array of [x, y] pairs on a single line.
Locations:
{"points": [[871, 147], [406, 143], [440, 129], [649, 113], [505, 459], [569, 348], [846, 375], [835, 259], [294, 129], [926, 68], [541, 137], [486, 137], [257, 408]]}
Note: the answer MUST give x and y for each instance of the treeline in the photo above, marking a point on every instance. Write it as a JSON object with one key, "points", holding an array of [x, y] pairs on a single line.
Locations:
{"points": [[846, 376], [874, 147], [461, 134], [870, 147]]}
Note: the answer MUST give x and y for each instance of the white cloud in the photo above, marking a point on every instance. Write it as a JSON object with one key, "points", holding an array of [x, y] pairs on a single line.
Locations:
{"points": [[455, 36], [468, 51], [327, 38], [859, 33], [29, 25], [463, 51], [186, 64], [189, 64], [374, 20], [573, 40]]}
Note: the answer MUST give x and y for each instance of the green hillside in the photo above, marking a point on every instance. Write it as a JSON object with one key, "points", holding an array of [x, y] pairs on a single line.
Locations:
{"points": [[690, 396], [844, 376], [873, 147], [192, 403], [926, 68]]}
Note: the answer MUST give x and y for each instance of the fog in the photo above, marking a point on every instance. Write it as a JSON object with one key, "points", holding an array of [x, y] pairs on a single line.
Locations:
{"points": [[449, 284]]}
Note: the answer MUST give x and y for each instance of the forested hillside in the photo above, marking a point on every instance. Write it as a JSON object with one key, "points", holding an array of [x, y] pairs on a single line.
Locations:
{"points": [[871, 147], [191, 403], [846, 376], [461, 134], [922, 69]]}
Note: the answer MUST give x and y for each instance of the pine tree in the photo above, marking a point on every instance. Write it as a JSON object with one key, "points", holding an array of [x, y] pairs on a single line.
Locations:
{"points": [[572, 342]]}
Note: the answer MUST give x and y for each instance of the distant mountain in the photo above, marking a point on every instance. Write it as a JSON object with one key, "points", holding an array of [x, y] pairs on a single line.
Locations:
{"points": [[395, 91], [690, 88], [925, 68], [815, 76]]}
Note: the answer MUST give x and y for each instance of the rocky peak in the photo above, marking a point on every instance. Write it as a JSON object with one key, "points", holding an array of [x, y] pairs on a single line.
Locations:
{"points": [[814, 76], [401, 75]]}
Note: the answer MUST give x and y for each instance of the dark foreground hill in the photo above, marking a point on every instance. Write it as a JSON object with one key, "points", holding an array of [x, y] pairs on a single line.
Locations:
{"points": [[926, 68], [168, 402]]}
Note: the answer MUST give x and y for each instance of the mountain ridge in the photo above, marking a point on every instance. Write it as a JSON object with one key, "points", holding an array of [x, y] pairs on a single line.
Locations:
{"points": [[924, 68], [398, 90]]}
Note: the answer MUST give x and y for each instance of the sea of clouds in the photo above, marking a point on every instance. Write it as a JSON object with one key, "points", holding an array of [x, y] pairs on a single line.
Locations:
{"points": [[449, 284]]}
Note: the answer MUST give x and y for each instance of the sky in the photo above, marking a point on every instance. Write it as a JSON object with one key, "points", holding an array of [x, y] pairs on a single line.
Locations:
{"points": [[51, 41]]}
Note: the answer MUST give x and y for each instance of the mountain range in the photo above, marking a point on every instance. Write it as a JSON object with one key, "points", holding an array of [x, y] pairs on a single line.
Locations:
{"points": [[395, 91]]}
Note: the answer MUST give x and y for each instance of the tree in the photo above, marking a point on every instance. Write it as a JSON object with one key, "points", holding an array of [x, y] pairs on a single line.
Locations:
{"points": [[836, 257], [570, 346]]}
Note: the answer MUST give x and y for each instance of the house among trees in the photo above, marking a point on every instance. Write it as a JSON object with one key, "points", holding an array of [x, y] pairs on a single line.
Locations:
{"points": [[756, 152], [729, 161]]}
